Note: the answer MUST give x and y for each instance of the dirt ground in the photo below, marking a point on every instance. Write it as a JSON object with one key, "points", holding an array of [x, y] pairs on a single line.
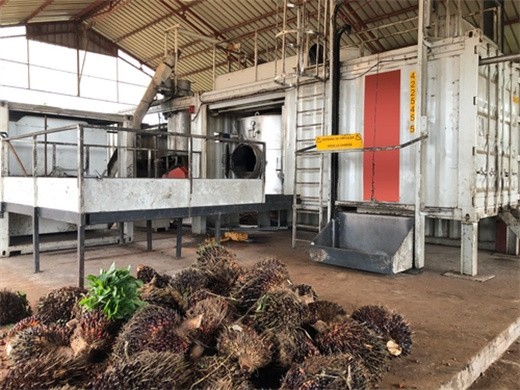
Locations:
{"points": [[452, 319]]}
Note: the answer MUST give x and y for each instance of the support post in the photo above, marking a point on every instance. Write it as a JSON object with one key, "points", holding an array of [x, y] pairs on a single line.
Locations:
{"points": [[81, 251], [148, 235], [179, 238], [36, 239], [121, 232], [218, 232], [421, 125], [4, 172], [468, 250]]}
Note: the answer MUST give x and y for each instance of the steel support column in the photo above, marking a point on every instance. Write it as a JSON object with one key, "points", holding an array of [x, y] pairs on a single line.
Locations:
{"points": [[421, 125], [468, 249], [178, 250], [36, 239], [218, 232], [81, 250], [149, 235], [121, 232]]}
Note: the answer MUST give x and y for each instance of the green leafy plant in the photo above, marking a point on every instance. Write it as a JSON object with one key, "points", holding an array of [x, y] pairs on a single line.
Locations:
{"points": [[114, 291]]}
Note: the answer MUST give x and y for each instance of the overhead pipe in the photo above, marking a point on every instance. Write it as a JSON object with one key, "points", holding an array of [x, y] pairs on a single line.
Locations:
{"points": [[337, 33], [497, 59]]}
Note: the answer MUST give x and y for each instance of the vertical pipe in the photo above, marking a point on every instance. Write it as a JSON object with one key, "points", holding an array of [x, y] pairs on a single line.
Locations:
{"points": [[335, 94], [148, 235], [214, 65], [36, 239], [178, 249], [28, 66], [256, 54], [45, 146]]}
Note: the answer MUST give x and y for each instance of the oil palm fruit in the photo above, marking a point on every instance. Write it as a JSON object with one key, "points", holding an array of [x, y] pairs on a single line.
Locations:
{"points": [[58, 304], [13, 307], [146, 370], [337, 371], [245, 346], [152, 328], [349, 336], [389, 324]]}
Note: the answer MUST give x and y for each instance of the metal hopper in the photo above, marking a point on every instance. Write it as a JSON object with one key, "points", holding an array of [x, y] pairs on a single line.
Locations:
{"points": [[375, 243]]}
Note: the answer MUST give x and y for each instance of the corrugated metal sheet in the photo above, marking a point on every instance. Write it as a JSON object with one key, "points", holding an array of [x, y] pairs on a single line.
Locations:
{"points": [[137, 26]]}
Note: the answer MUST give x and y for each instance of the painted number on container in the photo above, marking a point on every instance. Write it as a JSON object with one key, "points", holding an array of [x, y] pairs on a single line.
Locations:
{"points": [[343, 141], [413, 93]]}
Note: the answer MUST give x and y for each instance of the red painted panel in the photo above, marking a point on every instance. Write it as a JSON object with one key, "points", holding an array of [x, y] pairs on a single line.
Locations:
{"points": [[381, 118]]}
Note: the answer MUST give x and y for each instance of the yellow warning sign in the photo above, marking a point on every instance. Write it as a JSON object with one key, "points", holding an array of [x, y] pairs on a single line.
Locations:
{"points": [[516, 99], [342, 141]]}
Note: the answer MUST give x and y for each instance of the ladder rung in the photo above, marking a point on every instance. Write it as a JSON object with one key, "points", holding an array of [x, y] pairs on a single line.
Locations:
{"points": [[308, 169], [308, 227], [320, 94], [308, 183], [309, 125], [309, 110], [308, 211]]}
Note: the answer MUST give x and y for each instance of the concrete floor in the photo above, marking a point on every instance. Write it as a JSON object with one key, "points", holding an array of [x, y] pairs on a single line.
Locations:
{"points": [[452, 319]]}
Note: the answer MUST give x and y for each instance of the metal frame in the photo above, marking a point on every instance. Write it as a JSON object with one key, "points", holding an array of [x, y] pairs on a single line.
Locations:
{"points": [[83, 218]]}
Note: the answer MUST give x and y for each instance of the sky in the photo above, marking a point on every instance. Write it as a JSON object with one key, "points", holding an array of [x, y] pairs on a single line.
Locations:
{"points": [[39, 73]]}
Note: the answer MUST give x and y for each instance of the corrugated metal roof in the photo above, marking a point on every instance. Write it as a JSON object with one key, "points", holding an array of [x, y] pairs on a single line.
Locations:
{"points": [[137, 26]]}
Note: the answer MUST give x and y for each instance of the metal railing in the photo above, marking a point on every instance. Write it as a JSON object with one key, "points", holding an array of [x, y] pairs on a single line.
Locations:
{"points": [[86, 151]]}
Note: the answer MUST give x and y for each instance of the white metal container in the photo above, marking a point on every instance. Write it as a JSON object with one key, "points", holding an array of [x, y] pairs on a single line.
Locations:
{"points": [[472, 126]]}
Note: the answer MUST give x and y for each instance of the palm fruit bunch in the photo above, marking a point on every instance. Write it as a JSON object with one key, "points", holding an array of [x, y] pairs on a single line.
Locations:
{"points": [[167, 297], [152, 328], [265, 275], [37, 341], [93, 335], [219, 267], [245, 346], [306, 293], [293, 346], [46, 371], [59, 304], [277, 309], [337, 371], [146, 370], [212, 326], [13, 307], [215, 312], [189, 281], [219, 373], [147, 274], [350, 336], [390, 325], [27, 322]]}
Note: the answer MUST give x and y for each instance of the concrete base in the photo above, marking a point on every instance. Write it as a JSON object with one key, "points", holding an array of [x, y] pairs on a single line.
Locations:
{"points": [[485, 358]]}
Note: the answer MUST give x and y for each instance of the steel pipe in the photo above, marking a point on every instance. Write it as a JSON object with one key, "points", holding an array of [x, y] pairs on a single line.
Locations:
{"points": [[495, 60]]}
